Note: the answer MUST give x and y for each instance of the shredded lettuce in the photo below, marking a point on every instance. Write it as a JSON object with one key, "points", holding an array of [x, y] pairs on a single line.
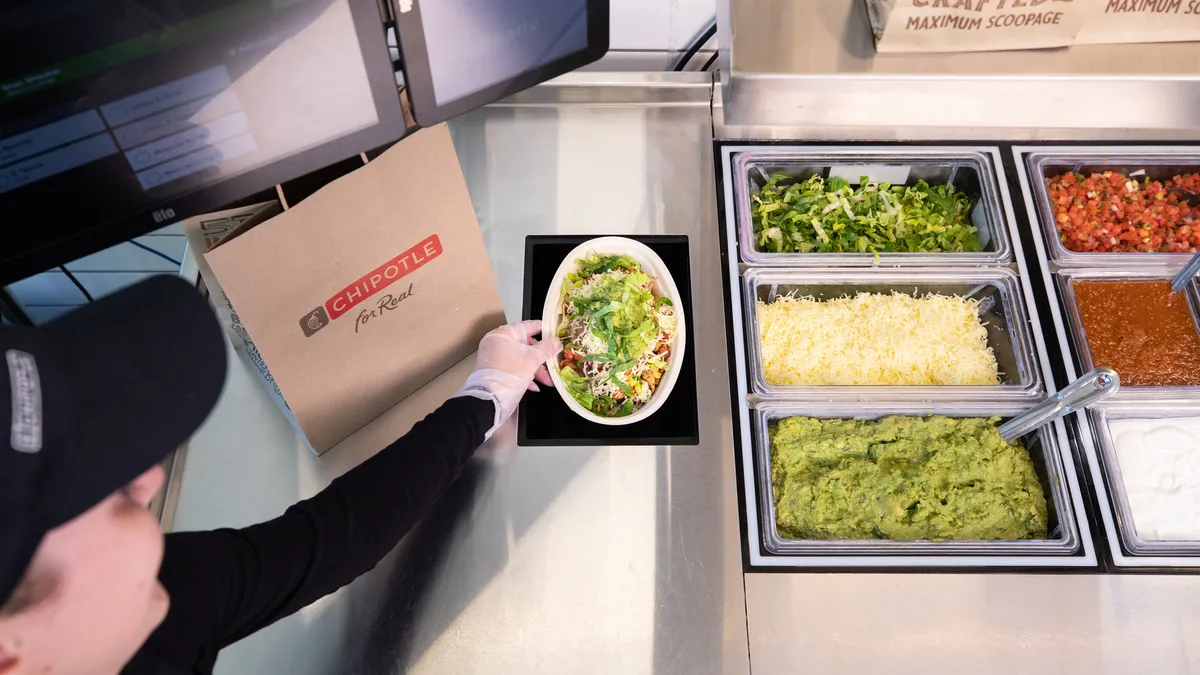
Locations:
{"points": [[595, 264], [577, 387], [611, 295], [819, 216]]}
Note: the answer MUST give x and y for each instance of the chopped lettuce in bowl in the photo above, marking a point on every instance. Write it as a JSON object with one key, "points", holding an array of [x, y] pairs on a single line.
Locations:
{"points": [[613, 304], [616, 334]]}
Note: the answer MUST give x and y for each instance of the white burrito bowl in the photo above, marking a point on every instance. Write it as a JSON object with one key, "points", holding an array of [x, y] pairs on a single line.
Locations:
{"points": [[552, 311]]}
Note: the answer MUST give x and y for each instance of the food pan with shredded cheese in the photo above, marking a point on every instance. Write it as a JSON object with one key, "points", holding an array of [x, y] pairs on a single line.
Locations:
{"points": [[923, 333]]}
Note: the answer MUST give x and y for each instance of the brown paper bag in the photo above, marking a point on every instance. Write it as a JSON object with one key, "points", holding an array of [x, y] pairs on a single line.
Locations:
{"points": [[367, 290], [207, 232]]}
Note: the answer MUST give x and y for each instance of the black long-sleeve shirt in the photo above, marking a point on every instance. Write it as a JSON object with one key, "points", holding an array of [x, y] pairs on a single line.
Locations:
{"points": [[226, 584]]}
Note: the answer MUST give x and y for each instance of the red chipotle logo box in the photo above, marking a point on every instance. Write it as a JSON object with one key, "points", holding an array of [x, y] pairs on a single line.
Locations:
{"points": [[367, 290]]}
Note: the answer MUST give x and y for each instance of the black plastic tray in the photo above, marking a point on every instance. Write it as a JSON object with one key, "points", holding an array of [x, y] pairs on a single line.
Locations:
{"points": [[544, 419]]}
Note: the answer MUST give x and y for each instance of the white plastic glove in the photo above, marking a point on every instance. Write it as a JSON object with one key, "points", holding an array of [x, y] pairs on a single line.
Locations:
{"points": [[506, 365]]}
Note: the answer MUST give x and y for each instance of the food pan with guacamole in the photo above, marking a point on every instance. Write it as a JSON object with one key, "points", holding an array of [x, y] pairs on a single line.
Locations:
{"points": [[908, 482]]}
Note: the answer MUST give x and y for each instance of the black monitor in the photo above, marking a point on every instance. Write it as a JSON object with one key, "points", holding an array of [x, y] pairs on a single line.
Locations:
{"points": [[461, 54], [117, 118]]}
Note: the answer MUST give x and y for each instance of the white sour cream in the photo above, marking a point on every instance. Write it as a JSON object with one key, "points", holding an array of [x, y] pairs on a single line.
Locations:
{"points": [[1160, 464]]}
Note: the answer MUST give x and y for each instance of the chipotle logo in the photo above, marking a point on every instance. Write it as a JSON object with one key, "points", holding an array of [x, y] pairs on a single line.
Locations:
{"points": [[371, 283]]}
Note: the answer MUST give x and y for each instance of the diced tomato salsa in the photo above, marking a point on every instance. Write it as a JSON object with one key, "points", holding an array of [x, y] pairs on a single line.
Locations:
{"points": [[1111, 212]]}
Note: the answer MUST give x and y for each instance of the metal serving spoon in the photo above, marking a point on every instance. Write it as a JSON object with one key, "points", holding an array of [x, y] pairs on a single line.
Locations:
{"points": [[1185, 275], [1088, 390]]}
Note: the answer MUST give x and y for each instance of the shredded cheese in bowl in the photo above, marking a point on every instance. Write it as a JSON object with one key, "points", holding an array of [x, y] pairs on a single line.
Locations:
{"points": [[875, 339]]}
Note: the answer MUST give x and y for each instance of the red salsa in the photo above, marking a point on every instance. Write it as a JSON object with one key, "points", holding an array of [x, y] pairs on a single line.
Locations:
{"points": [[1141, 329], [1111, 212]]}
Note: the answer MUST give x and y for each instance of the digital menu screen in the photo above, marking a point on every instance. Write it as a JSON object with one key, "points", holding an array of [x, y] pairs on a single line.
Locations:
{"points": [[112, 108]]}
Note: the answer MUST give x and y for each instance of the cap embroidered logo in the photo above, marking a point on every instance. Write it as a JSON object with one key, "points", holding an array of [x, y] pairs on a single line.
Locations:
{"points": [[26, 401]]}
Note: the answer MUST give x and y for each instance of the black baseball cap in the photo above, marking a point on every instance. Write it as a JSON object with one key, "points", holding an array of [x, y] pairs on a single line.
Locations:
{"points": [[91, 400]]}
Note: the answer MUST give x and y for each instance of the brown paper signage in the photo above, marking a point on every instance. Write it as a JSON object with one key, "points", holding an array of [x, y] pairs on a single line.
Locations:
{"points": [[974, 25], [985, 25], [367, 290], [1117, 21]]}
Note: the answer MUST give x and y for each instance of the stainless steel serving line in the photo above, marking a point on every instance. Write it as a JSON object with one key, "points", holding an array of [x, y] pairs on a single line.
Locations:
{"points": [[643, 559]]}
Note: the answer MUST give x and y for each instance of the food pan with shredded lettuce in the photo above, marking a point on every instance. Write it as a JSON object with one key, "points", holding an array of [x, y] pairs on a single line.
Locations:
{"points": [[821, 215]]}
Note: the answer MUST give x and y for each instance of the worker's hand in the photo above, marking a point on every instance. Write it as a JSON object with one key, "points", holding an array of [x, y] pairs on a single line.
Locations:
{"points": [[508, 362]]}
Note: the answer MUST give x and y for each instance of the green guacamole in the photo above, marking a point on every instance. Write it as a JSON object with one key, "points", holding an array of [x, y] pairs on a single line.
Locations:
{"points": [[903, 478]]}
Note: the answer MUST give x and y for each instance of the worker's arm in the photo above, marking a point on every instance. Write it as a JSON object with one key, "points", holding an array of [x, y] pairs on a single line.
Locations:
{"points": [[227, 584]]}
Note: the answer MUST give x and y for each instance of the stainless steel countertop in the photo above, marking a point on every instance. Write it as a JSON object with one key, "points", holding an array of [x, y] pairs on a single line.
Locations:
{"points": [[628, 560], [537, 560], [982, 624]]}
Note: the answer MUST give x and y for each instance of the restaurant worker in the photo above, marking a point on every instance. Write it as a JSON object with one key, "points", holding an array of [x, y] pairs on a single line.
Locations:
{"points": [[91, 402]]}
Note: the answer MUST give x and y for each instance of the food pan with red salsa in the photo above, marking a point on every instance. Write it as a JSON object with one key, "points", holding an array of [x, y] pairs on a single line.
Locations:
{"points": [[1135, 324], [1118, 206]]}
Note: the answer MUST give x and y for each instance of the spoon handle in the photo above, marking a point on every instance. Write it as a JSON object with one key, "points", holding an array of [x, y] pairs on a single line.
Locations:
{"points": [[1088, 390]]}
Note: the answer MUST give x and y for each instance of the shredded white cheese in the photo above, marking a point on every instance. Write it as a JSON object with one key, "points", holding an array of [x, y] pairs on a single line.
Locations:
{"points": [[666, 321], [590, 284], [593, 344], [875, 339]]}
